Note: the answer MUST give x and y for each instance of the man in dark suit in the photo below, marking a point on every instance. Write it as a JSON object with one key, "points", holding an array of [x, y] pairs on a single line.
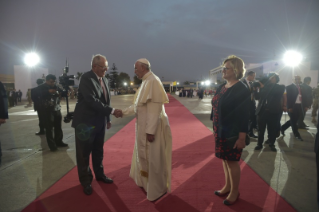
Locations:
{"points": [[91, 117], [308, 92], [36, 105], [3, 109], [268, 110], [317, 158], [296, 105], [248, 81]]}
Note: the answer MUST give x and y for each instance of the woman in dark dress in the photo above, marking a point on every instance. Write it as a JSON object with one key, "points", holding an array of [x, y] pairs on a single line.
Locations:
{"points": [[230, 119]]}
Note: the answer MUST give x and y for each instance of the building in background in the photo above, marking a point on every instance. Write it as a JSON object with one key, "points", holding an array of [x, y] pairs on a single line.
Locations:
{"points": [[25, 77]]}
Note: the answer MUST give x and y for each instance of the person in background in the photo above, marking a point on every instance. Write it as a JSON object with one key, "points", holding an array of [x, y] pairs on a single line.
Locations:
{"points": [[248, 81], [308, 103], [3, 109], [29, 98], [296, 105], [269, 109], [315, 96], [35, 96]]}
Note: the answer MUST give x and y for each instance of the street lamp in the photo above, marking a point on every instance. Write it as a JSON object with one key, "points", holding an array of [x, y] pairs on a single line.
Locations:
{"points": [[292, 58], [131, 83], [31, 59]]}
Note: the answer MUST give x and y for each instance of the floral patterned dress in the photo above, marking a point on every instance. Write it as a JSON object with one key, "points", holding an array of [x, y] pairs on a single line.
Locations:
{"points": [[222, 151]]}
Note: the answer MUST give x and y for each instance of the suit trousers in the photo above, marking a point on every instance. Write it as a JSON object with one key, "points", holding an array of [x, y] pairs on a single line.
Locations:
{"points": [[294, 117], [93, 143], [41, 116], [53, 119], [252, 117], [269, 120]]}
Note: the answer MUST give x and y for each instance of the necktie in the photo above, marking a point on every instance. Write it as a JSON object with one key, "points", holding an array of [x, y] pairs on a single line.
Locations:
{"points": [[251, 89], [104, 92], [300, 97]]}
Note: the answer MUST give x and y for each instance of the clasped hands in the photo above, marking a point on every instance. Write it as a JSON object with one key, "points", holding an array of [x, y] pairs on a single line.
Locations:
{"points": [[118, 113]]}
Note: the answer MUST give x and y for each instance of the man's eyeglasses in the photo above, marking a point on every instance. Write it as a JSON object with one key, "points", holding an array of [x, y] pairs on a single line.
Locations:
{"points": [[104, 67]]}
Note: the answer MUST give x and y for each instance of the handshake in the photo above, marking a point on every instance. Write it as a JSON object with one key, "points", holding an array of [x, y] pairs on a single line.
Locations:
{"points": [[118, 113]]}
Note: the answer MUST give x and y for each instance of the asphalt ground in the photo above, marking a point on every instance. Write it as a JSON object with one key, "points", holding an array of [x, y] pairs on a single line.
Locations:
{"points": [[28, 167]]}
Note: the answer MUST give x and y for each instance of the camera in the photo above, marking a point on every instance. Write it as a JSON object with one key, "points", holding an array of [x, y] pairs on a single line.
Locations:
{"points": [[65, 81]]}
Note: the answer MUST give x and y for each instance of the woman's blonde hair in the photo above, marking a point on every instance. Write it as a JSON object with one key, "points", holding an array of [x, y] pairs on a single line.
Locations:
{"points": [[237, 64]]}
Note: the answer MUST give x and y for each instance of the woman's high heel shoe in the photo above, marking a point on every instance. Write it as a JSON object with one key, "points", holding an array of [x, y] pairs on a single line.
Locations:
{"points": [[228, 202], [220, 194]]}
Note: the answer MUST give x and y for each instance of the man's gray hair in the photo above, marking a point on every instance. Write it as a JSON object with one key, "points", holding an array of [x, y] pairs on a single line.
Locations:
{"points": [[96, 58]]}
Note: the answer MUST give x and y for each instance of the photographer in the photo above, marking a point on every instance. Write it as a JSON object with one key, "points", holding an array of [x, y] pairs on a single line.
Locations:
{"points": [[269, 109], [50, 107]]}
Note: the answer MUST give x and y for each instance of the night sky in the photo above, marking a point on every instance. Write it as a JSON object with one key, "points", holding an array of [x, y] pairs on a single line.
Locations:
{"points": [[182, 39]]}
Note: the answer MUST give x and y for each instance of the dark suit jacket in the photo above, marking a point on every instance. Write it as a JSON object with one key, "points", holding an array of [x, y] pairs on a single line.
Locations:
{"points": [[317, 137], [91, 108], [292, 93], [252, 101], [35, 96], [308, 91], [3, 103], [233, 110], [270, 98]]}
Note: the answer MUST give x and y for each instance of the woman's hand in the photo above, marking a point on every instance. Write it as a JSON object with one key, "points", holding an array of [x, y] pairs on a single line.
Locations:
{"points": [[240, 144]]}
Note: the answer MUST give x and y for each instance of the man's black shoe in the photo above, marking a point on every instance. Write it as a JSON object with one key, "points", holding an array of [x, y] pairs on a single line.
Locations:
{"points": [[252, 135], [62, 144], [87, 189], [40, 133], [272, 148], [54, 150], [299, 138], [105, 179], [258, 147]]}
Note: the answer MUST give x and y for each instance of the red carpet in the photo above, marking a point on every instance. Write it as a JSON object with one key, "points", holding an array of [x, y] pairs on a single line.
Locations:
{"points": [[196, 173]]}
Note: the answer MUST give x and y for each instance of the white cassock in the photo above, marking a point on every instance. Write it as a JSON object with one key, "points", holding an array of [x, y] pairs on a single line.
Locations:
{"points": [[152, 161]]}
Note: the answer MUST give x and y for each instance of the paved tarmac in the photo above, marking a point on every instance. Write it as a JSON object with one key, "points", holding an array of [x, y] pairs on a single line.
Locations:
{"points": [[28, 167]]}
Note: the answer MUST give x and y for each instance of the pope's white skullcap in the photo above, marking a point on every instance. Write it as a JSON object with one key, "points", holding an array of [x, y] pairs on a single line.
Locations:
{"points": [[144, 61]]}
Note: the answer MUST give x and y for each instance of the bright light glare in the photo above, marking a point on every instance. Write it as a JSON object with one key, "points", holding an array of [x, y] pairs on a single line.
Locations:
{"points": [[125, 83], [292, 58], [131, 83], [202, 83], [177, 83], [207, 82], [31, 59]]}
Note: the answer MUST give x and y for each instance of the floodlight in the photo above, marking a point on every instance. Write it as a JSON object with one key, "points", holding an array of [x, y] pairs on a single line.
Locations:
{"points": [[207, 82], [125, 83], [202, 83], [292, 58], [177, 83], [31, 59]]}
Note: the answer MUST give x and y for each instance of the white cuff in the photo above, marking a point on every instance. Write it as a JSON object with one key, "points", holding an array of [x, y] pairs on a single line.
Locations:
{"points": [[113, 111]]}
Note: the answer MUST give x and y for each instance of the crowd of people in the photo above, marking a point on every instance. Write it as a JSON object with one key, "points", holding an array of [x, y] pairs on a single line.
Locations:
{"points": [[235, 117]]}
